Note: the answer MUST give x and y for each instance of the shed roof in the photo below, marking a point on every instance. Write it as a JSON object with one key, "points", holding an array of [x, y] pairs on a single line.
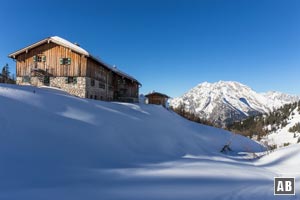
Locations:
{"points": [[157, 93], [63, 42]]}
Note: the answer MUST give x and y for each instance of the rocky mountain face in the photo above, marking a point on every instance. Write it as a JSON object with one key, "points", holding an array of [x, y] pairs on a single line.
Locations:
{"points": [[225, 102]]}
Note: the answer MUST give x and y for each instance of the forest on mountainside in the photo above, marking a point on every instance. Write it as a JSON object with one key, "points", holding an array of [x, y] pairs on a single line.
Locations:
{"points": [[263, 124]]}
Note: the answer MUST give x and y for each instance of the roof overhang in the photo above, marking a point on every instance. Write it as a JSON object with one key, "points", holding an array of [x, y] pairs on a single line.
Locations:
{"points": [[56, 40], [115, 70], [26, 49]]}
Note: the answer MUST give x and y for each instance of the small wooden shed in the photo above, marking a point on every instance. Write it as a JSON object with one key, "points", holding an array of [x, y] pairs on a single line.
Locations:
{"points": [[157, 98]]}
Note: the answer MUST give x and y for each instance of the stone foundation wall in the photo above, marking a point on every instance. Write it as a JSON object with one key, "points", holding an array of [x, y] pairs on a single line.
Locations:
{"points": [[96, 92], [82, 87], [75, 88], [29, 81], [19, 81]]}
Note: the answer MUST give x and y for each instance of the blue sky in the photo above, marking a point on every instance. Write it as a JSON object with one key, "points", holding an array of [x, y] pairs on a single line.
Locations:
{"points": [[170, 46]]}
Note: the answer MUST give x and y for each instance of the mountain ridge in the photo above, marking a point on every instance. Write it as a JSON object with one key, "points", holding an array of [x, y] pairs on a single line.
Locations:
{"points": [[224, 102]]}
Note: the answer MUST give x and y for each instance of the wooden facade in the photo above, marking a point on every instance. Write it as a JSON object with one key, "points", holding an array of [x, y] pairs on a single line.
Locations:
{"points": [[157, 98], [51, 53], [59, 63]]}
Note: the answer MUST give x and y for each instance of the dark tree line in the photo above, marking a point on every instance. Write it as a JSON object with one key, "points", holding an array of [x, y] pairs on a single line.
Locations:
{"points": [[295, 128], [6, 76], [257, 126], [190, 116], [263, 124]]}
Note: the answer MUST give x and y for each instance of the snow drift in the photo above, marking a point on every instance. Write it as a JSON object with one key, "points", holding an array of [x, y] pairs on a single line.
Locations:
{"points": [[50, 126], [56, 146]]}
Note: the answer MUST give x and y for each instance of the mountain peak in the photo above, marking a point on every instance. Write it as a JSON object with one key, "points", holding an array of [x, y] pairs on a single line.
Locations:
{"points": [[221, 83], [223, 102]]}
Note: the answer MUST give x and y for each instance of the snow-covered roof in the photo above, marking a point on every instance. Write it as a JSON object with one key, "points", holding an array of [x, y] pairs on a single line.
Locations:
{"points": [[114, 69], [63, 42], [66, 43], [56, 40]]}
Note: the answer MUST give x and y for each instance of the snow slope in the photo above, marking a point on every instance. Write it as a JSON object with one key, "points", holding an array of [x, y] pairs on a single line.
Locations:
{"points": [[284, 162], [224, 102], [56, 146], [203, 177], [282, 135], [128, 131]]}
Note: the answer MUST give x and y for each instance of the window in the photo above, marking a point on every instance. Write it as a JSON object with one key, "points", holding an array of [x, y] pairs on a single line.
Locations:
{"points": [[121, 81], [101, 85], [65, 61], [39, 58], [123, 91], [92, 82], [71, 79], [26, 79], [46, 80]]}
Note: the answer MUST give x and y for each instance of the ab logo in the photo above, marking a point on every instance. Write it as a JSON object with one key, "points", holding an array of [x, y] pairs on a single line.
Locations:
{"points": [[284, 186]]}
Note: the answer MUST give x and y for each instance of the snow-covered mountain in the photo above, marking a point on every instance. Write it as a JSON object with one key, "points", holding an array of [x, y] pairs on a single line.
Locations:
{"points": [[278, 98], [224, 102]]}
